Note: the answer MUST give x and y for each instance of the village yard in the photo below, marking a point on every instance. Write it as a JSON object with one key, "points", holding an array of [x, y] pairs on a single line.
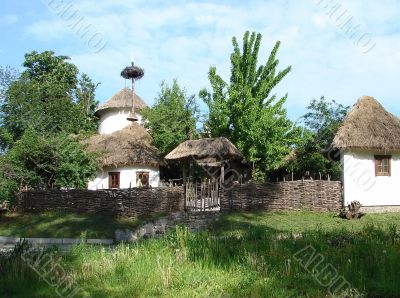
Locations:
{"points": [[59, 224], [242, 254]]}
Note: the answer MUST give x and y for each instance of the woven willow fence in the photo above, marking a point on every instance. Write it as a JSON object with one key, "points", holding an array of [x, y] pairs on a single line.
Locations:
{"points": [[315, 195], [133, 202], [137, 202]]}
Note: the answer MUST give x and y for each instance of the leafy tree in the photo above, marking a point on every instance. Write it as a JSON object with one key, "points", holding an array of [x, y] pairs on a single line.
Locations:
{"points": [[322, 121], [173, 117], [87, 103], [246, 111], [44, 112], [36, 161], [49, 97], [7, 76]]}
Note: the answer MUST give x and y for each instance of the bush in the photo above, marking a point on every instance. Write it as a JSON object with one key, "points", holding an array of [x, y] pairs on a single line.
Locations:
{"points": [[37, 161]]}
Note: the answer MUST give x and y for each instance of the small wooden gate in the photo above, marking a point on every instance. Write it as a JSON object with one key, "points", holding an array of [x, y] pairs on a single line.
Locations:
{"points": [[202, 196]]}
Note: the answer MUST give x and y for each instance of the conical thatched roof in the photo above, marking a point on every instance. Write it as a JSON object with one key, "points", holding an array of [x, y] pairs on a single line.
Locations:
{"points": [[127, 147], [369, 126], [122, 99], [218, 148]]}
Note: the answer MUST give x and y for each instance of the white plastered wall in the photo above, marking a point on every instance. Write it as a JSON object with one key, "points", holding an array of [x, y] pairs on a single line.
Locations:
{"points": [[127, 177], [112, 121], [361, 184]]}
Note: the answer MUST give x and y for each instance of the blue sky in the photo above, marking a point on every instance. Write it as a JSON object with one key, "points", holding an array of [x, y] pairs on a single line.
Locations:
{"points": [[181, 39]]}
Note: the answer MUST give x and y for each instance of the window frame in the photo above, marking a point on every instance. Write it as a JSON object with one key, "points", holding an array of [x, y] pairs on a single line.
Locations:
{"points": [[110, 180], [381, 158], [147, 174]]}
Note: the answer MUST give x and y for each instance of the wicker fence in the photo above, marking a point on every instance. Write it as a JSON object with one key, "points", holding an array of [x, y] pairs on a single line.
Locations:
{"points": [[135, 202], [290, 195]]}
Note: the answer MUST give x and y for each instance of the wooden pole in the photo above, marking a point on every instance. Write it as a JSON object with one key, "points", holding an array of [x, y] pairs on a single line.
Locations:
{"points": [[184, 184], [222, 178]]}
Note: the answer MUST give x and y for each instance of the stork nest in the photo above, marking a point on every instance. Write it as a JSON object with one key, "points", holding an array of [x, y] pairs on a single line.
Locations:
{"points": [[132, 72]]}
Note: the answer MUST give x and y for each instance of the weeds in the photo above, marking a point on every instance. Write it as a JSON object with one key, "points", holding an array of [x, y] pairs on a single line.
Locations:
{"points": [[250, 261]]}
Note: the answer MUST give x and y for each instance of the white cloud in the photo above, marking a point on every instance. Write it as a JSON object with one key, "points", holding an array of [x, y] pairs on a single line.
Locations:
{"points": [[9, 19], [320, 21], [183, 38]]}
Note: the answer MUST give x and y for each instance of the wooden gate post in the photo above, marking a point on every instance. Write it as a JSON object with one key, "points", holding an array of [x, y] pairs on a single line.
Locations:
{"points": [[184, 186], [222, 178]]}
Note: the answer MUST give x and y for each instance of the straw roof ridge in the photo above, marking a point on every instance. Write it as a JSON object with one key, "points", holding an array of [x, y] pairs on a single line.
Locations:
{"points": [[220, 148], [127, 147], [122, 99], [369, 126]]}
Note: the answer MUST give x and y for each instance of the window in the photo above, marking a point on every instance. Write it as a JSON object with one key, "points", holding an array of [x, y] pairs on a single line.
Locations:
{"points": [[142, 179], [382, 165], [113, 180]]}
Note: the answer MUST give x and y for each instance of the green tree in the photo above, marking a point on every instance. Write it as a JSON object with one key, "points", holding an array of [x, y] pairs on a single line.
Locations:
{"points": [[87, 103], [36, 161], [49, 97], [172, 119], [45, 113], [246, 111], [322, 121], [7, 76]]}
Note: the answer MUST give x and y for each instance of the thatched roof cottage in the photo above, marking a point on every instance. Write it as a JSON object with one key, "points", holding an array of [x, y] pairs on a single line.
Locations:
{"points": [[115, 112], [217, 156], [213, 150], [127, 157], [369, 143]]}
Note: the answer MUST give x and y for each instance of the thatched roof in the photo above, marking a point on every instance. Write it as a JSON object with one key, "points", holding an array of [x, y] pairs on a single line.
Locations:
{"points": [[218, 148], [127, 147], [122, 99], [369, 126]]}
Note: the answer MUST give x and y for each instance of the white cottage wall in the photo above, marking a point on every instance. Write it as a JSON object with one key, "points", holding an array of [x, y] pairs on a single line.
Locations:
{"points": [[112, 121], [127, 177], [361, 184]]}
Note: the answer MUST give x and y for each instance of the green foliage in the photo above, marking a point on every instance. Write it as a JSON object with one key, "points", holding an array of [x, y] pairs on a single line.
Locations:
{"points": [[258, 175], [46, 162], [86, 103], [8, 185], [41, 110], [48, 97], [322, 121], [7, 76], [245, 110], [172, 119]]}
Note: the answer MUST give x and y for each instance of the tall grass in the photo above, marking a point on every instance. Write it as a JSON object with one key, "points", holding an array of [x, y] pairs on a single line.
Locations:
{"points": [[256, 262]]}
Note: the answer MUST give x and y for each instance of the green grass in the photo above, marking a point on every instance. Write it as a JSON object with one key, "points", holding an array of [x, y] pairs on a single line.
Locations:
{"points": [[72, 225], [63, 225], [299, 221], [240, 256]]}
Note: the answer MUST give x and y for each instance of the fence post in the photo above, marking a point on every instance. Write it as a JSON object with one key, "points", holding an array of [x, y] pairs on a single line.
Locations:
{"points": [[184, 186]]}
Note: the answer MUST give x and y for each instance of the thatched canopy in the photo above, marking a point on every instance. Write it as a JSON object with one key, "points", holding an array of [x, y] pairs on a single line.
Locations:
{"points": [[122, 99], [369, 126], [215, 149], [127, 147]]}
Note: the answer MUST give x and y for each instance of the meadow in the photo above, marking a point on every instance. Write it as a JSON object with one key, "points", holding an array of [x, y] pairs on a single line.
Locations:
{"points": [[267, 254]]}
